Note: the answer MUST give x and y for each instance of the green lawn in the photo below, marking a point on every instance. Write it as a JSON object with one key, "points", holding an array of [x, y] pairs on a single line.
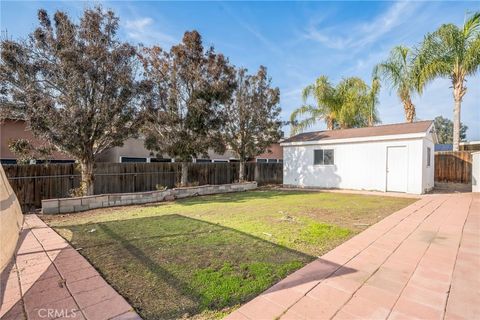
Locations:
{"points": [[202, 257]]}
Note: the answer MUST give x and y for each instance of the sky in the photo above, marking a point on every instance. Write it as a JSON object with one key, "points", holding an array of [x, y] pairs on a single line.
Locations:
{"points": [[296, 41]]}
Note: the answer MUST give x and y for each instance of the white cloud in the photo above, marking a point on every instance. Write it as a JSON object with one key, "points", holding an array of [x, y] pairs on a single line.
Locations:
{"points": [[343, 36], [139, 23], [143, 30]]}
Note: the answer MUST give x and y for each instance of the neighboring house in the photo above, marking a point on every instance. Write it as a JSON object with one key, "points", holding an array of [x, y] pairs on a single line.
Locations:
{"points": [[470, 146], [133, 149], [396, 157], [273, 154], [12, 129], [212, 156], [464, 146], [443, 147]]}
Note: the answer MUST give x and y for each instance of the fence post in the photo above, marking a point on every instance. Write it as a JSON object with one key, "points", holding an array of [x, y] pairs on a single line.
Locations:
{"points": [[256, 173]]}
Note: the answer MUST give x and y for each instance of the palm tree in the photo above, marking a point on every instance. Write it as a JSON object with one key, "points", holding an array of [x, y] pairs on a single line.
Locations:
{"points": [[346, 105], [324, 94], [398, 71], [354, 99], [372, 115], [454, 53]]}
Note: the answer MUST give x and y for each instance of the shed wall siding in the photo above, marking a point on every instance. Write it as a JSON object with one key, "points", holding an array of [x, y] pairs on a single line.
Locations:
{"points": [[428, 176], [359, 166]]}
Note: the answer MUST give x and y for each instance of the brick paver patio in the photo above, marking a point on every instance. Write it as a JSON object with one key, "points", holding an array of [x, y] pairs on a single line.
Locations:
{"points": [[420, 262], [51, 280]]}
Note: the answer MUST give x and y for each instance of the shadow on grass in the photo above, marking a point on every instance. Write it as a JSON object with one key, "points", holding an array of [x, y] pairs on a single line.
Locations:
{"points": [[234, 197], [172, 266]]}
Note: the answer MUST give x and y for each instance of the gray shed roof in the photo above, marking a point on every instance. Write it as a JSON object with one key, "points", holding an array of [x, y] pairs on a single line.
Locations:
{"points": [[382, 130]]}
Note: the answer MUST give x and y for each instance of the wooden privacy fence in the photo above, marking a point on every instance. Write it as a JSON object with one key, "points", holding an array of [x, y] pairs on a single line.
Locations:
{"points": [[33, 183], [453, 166]]}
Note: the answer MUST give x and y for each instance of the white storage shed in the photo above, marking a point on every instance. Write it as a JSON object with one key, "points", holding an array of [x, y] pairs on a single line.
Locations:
{"points": [[395, 157]]}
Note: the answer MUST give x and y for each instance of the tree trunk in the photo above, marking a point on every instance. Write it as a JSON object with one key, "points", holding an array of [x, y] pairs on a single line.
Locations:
{"points": [[409, 108], [329, 122], [86, 167], [184, 178], [241, 172], [458, 93]]}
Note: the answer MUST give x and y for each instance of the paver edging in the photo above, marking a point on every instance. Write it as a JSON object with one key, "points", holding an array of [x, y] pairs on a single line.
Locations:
{"points": [[33, 298]]}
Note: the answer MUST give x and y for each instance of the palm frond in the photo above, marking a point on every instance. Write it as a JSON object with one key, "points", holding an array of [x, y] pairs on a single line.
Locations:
{"points": [[472, 57], [307, 92], [298, 120], [471, 25], [397, 70], [446, 53], [302, 111]]}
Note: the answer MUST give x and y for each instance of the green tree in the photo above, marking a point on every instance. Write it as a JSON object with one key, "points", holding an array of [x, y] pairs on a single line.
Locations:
{"points": [[253, 116], [25, 151], [185, 105], [452, 52], [74, 84], [444, 129], [347, 105], [397, 70]]}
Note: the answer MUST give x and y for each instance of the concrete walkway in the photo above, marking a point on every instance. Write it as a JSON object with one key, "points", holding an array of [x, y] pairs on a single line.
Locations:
{"points": [[51, 280], [421, 262]]}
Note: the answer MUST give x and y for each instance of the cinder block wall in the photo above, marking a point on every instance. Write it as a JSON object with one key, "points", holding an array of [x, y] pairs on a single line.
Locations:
{"points": [[11, 220], [67, 205]]}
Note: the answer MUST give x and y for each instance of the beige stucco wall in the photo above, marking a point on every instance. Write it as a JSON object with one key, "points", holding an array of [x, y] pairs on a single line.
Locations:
{"points": [[275, 151], [11, 220], [135, 147], [132, 147], [16, 129]]}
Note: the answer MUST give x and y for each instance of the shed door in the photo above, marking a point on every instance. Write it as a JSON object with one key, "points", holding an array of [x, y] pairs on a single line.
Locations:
{"points": [[397, 169]]}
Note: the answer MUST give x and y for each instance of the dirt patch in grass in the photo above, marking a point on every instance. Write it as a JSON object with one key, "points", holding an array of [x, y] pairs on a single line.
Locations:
{"points": [[201, 257]]}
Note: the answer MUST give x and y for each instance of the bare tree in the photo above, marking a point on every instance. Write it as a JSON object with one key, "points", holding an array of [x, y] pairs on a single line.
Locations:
{"points": [[253, 116], [74, 84], [185, 112]]}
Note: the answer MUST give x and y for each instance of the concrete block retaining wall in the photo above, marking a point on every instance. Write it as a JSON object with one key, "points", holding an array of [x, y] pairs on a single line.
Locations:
{"points": [[67, 205]]}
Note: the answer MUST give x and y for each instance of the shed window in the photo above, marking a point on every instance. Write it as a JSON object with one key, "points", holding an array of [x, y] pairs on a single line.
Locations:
{"points": [[328, 156], [323, 157], [429, 155], [317, 156]]}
